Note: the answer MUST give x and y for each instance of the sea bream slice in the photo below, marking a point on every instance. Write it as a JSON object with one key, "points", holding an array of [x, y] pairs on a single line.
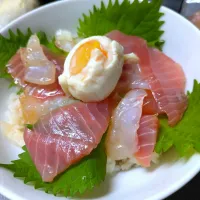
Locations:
{"points": [[122, 138], [132, 134], [33, 108], [16, 68], [165, 78], [147, 137], [66, 135], [38, 69]]}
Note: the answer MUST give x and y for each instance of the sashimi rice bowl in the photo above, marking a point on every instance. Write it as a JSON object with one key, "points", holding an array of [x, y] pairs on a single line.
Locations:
{"points": [[106, 101]]}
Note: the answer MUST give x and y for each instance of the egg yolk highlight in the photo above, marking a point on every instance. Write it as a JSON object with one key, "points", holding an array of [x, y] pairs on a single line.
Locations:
{"points": [[82, 56]]}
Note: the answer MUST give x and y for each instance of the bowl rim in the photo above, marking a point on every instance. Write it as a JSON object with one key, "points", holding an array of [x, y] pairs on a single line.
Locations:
{"points": [[161, 195]]}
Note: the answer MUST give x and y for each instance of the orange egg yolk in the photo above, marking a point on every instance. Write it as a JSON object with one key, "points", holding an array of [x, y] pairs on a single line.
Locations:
{"points": [[82, 56]]}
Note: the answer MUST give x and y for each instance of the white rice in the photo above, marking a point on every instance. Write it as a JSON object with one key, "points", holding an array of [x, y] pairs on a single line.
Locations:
{"points": [[126, 164], [13, 128]]}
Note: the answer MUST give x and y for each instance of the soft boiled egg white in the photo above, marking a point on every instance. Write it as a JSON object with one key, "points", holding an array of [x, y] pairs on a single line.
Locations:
{"points": [[92, 69]]}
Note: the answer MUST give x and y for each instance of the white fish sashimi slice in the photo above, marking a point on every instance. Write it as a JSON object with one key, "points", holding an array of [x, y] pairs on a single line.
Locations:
{"points": [[64, 40], [33, 108], [39, 70], [16, 67], [122, 139]]}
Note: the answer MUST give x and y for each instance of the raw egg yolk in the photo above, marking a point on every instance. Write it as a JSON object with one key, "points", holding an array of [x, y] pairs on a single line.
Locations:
{"points": [[82, 56]]}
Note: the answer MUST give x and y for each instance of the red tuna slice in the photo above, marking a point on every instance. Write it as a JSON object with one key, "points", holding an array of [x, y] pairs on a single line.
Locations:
{"points": [[131, 78], [147, 136], [150, 106], [66, 135], [17, 69], [165, 78], [167, 83]]}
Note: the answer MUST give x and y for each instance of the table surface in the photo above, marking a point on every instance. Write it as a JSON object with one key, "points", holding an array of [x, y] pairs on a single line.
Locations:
{"points": [[191, 190]]}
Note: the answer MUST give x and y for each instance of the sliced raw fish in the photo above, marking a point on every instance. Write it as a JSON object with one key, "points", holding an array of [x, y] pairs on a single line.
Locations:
{"points": [[167, 83], [131, 78], [38, 69], [64, 40], [17, 70], [44, 92], [122, 140], [165, 78], [66, 135], [114, 100], [150, 106], [33, 108], [147, 137]]}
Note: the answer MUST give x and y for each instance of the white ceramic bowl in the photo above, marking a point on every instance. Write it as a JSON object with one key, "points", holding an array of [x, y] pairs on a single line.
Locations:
{"points": [[182, 44]]}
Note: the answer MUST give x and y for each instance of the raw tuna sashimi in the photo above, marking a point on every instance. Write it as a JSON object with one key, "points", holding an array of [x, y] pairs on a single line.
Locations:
{"points": [[167, 83], [17, 70], [165, 78], [150, 106], [65, 135], [131, 78], [122, 140], [147, 136]]}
